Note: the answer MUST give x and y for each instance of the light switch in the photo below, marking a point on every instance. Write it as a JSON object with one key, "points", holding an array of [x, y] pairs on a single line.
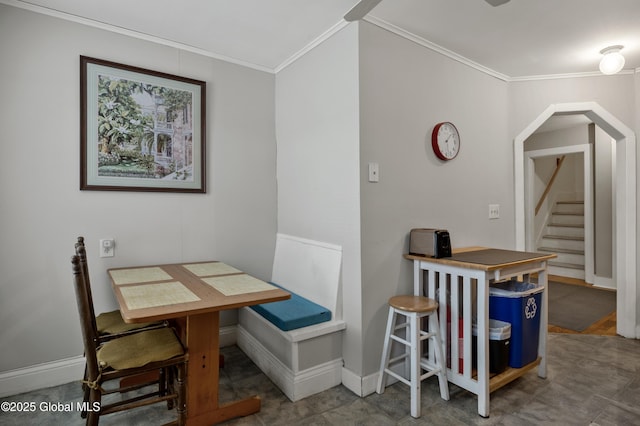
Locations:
{"points": [[374, 172], [494, 211]]}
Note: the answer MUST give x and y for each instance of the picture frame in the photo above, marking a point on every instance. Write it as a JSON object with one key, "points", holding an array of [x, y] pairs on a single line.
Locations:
{"points": [[140, 130]]}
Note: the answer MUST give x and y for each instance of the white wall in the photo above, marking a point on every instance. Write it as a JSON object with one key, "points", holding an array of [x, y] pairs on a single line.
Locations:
{"points": [[318, 143], [405, 90], [42, 209]]}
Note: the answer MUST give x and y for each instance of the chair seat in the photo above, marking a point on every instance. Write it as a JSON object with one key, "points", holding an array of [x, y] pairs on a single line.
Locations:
{"points": [[112, 323], [140, 349]]}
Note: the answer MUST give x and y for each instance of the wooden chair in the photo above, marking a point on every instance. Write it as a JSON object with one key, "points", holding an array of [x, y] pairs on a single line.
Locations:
{"points": [[413, 309], [128, 356], [109, 324]]}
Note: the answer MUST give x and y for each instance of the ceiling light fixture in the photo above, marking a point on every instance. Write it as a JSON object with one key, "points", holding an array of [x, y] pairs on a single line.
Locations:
{"points": [[612, 61]]}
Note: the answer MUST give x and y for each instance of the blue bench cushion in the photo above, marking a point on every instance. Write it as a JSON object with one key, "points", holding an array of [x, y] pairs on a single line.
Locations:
{"points": [[293, 313]]}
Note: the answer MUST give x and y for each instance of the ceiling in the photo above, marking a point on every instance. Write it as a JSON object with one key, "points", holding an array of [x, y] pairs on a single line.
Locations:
{"points": [[518, 40]]}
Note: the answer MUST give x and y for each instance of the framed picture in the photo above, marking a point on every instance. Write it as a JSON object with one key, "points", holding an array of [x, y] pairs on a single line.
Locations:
{"points": [[140, 130]]}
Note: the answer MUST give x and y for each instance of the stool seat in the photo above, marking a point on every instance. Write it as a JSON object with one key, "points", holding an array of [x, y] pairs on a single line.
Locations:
{"points": [[413, 309], [414, 303]]}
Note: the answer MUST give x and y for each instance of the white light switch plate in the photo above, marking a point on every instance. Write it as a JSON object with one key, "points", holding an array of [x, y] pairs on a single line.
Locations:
{"points": [[494, 211], [374, 172]]}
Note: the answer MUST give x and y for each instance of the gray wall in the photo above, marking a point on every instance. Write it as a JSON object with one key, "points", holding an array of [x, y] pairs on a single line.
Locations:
{"points": [[405, 90], [42, 210], [383, 114], [318, 143]]}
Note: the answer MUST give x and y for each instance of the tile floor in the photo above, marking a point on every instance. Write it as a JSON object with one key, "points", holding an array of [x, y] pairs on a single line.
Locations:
{"points": [[592, 380]]}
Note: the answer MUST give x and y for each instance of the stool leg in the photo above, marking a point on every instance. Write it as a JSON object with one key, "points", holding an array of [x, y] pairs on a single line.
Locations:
{"points": [[386, 350], [416, 370], [441, 363]]}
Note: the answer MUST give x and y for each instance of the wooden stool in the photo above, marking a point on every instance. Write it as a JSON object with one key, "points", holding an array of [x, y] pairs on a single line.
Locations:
{"points": [[414, 308]]}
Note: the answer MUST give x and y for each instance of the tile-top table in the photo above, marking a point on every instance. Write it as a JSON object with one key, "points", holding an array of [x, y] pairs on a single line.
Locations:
{"points": [[193, 294]]}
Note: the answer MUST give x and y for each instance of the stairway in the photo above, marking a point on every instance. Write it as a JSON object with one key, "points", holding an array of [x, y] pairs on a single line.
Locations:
{"points": [[564, 235]]}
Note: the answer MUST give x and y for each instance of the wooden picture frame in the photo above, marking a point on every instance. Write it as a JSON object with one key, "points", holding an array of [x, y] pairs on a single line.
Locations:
{"points": [[140, 130]]}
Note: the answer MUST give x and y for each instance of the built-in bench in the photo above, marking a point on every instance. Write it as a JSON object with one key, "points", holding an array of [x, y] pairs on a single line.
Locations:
{"points": [[297, 343], [293, 313]]}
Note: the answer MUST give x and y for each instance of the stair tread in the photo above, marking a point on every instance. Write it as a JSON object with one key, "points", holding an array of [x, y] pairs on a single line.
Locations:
{"points": [[560, 250], [570, 202], [563, 237], [566, 225], [566, 265]]}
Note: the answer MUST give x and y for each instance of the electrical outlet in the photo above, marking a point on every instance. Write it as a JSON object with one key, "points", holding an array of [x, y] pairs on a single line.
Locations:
{"points": [[494, 211], [107, 247]]}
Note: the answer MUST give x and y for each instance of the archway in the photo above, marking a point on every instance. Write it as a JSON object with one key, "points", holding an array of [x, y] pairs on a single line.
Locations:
{"points": [[624, 273]]}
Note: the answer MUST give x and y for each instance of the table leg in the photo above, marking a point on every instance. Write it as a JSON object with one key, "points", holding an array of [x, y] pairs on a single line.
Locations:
{"points": [[483, 346], [544, 324], [202, 342]]}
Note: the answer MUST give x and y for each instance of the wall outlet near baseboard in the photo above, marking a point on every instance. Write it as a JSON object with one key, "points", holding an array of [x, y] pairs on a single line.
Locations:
{"points": [[107, 247]]}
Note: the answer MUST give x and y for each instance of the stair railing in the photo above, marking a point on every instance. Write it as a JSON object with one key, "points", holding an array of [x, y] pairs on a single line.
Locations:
{"points": [[548, 188]]}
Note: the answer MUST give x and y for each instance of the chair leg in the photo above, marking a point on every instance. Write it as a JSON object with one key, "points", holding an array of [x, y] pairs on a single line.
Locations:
{"points": [[181, 408], [170, 386], [441, 363], [85, 392], [386, 351], [162, 382], [93, 416]]}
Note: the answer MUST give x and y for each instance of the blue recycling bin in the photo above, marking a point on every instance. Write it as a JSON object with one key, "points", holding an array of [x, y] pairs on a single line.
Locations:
{"points": [[518, 303]]}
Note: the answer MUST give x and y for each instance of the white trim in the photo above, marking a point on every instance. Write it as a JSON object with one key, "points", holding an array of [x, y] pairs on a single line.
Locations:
{"points": [[66, 370], [567, 75], [585, 150], [624, 250], [295, 385], [41, 376], [130, 33], [316, 42], [466, 61], [228, 336], [310, 242], [432, 46], [603, 282]]}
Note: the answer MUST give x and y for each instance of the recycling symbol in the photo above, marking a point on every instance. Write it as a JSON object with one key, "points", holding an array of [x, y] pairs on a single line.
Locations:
{"points": [[531, 308]]}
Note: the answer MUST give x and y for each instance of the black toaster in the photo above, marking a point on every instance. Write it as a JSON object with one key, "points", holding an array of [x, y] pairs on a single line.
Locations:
{"points": [[430, 242]]}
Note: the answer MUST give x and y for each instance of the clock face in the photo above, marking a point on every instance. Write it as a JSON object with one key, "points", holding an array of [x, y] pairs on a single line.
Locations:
{"points": [[445, 141]]}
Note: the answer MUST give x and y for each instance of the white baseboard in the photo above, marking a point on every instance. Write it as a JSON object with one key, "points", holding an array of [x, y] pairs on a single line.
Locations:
{"points": [[228, 336], [352, 381], [67, 370], [295, 386], [41, 376], [604, 282], [363, 386]]}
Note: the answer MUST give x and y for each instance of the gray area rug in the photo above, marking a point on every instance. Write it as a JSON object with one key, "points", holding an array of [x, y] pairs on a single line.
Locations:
{"points": [[577, 307]]}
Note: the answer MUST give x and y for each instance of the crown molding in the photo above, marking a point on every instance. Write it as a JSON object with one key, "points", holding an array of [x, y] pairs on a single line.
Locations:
{"points": [[435, 47], [134, 34], [459, 58], [316, 42]]}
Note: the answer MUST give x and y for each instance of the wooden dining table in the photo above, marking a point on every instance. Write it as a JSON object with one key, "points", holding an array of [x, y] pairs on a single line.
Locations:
{"points": [[192, 295]]}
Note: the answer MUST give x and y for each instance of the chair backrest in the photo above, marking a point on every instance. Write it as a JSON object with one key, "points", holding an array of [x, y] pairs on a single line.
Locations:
{"points": [[81, 252], [87, 319]]}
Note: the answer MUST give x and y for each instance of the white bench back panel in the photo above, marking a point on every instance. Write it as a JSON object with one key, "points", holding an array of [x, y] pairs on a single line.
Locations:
{"points": [[309, 268]]}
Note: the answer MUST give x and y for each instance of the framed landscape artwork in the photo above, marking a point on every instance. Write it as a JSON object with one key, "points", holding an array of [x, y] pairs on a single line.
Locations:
{"points": [[140, 130]]}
